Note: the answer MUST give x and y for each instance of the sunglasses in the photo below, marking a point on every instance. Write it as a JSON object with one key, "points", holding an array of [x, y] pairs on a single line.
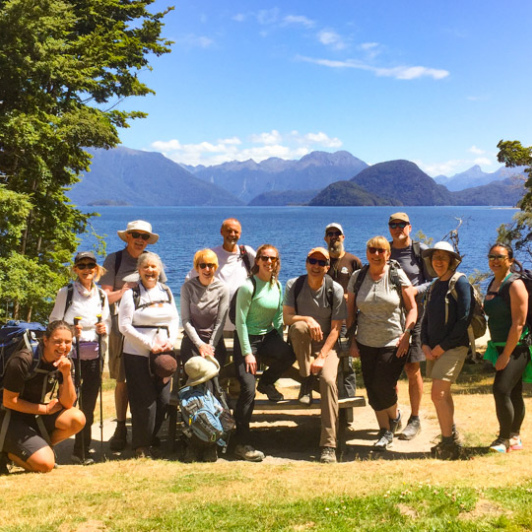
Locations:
{"points": [[266, 258], [395, 225], [86, 266], [144, 236], [333, 233], [497, 257], [204, 265], [322, 263], [373, 250]]}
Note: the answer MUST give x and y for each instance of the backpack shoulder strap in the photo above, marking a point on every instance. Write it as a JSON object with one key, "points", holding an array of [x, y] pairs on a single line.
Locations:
{"points": [[360, 279], [70, 295], [298, 285], [118, 260], [416, 248], [393, 274], [329, 287], [102, 297], [245, 257], [136, 296]]}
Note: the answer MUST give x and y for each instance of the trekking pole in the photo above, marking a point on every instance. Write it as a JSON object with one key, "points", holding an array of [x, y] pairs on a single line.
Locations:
{"points": [[99, 318], [77, 384]]}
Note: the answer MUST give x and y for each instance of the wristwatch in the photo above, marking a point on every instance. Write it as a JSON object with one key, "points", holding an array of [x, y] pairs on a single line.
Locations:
{"points": [[408, 331]]}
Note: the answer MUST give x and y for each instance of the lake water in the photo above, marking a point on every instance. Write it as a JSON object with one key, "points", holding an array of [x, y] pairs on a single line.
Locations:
{"points": [[294, 231]]}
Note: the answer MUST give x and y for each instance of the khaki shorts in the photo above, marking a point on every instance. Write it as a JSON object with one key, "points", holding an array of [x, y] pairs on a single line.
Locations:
{"points": [[116, 360], [448, 366]]}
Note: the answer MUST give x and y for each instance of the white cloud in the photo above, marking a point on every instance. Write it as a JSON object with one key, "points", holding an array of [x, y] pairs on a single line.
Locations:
{"points": [[194, 41], [401, 72], [297, 20], [331, 39], [476, 151], [483, 161], [370, 49], [259, 146], [239, 17], [455, 166]]}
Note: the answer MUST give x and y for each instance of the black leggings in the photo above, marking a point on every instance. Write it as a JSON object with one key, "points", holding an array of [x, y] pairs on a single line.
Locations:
{"points": [[508, 393]]}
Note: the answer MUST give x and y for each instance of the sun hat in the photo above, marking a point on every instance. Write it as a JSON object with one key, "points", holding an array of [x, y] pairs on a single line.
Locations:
{"points": [[402, 216], [440, 246], [85, 255], [201, 369], [139, 225], [334, 226], [320, 250]]}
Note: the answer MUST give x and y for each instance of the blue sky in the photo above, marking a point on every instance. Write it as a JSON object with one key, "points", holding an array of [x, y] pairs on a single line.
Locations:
{"points": [[437, 83]]}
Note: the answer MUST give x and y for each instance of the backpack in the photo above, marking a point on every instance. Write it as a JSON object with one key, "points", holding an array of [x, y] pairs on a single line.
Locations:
{"points": [[70, 295], [477, 319], [136, 297], [329, 289], [204, 416], [416, 248], [244, 257], [395, 280], [16, 335], [232, 304], [504, 291]]}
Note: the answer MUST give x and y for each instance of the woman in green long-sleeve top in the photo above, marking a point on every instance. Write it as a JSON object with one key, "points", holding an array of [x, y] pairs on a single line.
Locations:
{"points": [[259, 338]]}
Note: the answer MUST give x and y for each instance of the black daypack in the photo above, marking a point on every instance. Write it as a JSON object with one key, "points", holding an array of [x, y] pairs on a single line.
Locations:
{"points": [[70, 295], [244, 257], [232, 304], [136, 297], [504, 291], [15, 336]]}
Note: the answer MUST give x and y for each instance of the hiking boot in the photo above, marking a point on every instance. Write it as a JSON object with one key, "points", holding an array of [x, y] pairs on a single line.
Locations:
{"points": [[271, 391], [210, 454], [384, 442], [412, 429], [500, 445], [191, 455], [4, 464], [248, 453], [118, 440], [328, 455], [447, 451], [515, 443], [305, 392], [396, 424], [76, 459]]}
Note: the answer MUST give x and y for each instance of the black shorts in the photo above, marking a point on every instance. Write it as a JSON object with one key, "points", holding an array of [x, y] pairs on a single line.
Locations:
{"points": [[24, 438]]}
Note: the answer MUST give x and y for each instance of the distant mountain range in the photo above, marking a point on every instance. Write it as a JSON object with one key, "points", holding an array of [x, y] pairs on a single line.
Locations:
{"points": [[123, 176]]}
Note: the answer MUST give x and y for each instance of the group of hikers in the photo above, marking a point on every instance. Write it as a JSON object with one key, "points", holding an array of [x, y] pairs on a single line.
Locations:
{"points": [[408, 304]]}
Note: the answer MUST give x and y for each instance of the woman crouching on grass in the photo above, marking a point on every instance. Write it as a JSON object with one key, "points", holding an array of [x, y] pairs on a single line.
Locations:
{"points": [[506, 305], [445, 340]]}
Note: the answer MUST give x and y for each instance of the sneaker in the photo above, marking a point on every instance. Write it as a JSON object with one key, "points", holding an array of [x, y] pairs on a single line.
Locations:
{"points": [[384, 442], [118, 440], [305, 392], [246, 452], [396, 424], [76, 459], [447, 451], [328, 455], [515, 443], [412, 429], [271, 391], [210, 454], [500, 445]]}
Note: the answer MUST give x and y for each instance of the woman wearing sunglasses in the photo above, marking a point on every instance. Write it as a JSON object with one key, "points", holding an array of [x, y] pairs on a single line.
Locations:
{"points": [[204, 307], [381, 303], [506, 305], [444, 338], [259, 338], [83, 299]]}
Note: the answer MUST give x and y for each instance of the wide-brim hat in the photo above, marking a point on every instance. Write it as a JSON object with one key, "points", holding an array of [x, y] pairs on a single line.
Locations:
{"points": [[139, 225], [441, 246], [401, 216], [201, 369]]}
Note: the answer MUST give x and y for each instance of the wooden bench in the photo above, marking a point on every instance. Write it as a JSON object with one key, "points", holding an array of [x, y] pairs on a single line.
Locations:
{"points": [[263, 405]]}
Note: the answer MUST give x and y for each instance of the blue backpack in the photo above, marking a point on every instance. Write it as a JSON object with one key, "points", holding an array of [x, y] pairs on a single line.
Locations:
{"points": [[204, 416]]}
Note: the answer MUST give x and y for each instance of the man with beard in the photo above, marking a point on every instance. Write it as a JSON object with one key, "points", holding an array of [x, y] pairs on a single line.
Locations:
{"points": [[407, 253], [234, 261], [343, 265]]}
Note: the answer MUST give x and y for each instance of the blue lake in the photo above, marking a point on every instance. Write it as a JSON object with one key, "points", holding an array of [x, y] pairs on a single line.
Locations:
{"points": [[294, 231]]}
